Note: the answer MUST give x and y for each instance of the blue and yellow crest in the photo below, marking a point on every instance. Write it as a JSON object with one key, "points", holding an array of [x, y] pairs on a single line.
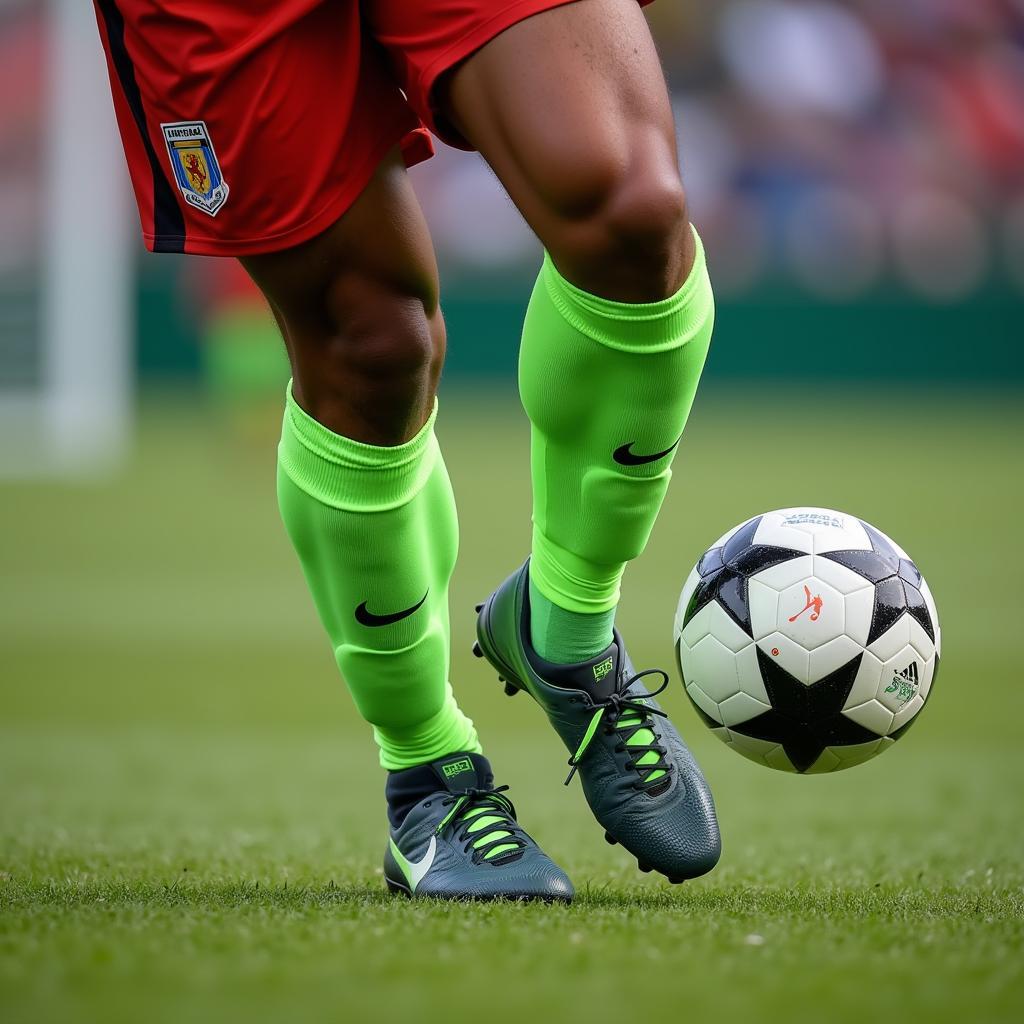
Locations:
{"points": [[195, 165]]}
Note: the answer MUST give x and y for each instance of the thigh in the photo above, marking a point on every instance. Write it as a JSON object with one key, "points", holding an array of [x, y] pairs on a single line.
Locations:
{"points": [[249, 127], [565, 105]]}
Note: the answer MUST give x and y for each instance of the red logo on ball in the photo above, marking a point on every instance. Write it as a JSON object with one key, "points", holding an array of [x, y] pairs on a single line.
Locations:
{"points": [[814, 603]]}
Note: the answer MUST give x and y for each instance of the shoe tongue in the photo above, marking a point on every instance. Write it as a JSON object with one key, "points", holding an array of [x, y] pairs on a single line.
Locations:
{"points": [[459, 772], [596, 676]]}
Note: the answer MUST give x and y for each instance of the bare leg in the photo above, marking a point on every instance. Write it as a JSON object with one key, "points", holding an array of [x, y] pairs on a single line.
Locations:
{"points": [[570, 109]]}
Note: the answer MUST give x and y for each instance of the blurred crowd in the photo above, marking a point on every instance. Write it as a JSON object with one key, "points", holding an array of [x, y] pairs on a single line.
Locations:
{"points": [[835, 146], [855, 138]]}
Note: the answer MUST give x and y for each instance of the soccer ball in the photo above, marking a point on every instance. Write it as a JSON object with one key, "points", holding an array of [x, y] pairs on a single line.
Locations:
{"points": [[807, 640]]}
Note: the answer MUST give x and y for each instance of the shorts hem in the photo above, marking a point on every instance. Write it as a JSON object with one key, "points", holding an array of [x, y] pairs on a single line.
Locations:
{"points": [[415, 146]]}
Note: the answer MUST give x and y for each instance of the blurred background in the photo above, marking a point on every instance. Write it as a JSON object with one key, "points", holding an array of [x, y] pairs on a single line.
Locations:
{"points": [[176, 752], [859, 165]]}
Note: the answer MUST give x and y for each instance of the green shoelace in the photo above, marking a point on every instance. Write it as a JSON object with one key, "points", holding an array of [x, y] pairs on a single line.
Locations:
{"points": [[631, 717], [485, 823]]}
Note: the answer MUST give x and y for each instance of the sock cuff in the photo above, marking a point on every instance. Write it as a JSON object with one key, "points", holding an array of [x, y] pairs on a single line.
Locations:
{"points": [[350, 475], [652, 326], [571, 582]]}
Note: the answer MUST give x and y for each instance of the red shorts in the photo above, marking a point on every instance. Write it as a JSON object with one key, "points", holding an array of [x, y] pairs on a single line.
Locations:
{"points": [[252, 126]]}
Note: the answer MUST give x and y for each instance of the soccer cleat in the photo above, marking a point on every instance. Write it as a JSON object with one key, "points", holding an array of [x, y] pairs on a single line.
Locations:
{"points": [[462, 842], [639, 778]]}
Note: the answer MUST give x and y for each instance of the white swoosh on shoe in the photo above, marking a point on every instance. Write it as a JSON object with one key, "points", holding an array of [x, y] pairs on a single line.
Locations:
{"points": [[414, 870]]}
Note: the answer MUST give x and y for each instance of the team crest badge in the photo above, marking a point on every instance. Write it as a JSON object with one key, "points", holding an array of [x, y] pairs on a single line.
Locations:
{"points": [[195, 165]]}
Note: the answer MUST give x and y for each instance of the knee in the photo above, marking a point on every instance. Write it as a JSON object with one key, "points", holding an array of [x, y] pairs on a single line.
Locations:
{"points": [[373, 370], [622, 227], [641, 233], [644, 219]]}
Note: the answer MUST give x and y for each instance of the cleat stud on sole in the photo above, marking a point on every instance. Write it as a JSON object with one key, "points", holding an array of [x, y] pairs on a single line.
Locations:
{"points": [[676, 881], [479, 608], [645, 868], [511, 690], [610, 839], [477, 652]]}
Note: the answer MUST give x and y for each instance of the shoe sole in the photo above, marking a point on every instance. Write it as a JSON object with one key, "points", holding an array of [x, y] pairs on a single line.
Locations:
{"points": [[398, 888]]}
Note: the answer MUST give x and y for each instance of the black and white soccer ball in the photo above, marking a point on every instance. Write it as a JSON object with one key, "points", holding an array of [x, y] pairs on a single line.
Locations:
{"points": [[807, 640]]}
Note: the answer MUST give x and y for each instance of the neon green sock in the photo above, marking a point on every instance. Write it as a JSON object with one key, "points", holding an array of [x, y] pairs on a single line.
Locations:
{"points": [[608, 387], [377, 535]]}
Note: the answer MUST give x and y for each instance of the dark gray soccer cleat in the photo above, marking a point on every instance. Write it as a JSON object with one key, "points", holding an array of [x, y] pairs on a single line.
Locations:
{"points": [[463, 842], [639, 778]]}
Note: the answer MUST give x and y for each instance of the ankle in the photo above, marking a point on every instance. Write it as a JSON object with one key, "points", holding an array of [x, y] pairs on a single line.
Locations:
{"points": [[565, 637], [405, 788]]}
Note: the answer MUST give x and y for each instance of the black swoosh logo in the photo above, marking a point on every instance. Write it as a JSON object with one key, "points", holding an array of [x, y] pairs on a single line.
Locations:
{"points": [[367, 618], [625, 456]]}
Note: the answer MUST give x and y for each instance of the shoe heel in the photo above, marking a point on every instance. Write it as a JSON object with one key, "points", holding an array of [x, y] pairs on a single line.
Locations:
{"points": [[397, 887], [481, 649]]}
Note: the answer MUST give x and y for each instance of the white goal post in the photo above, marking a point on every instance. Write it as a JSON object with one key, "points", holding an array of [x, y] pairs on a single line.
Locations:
{"points": [[72, 415]]}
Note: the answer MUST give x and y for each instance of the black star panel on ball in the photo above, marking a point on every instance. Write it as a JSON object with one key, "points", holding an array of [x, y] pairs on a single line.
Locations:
{"points": [[896, 581], [805, 720], [725, 573]]}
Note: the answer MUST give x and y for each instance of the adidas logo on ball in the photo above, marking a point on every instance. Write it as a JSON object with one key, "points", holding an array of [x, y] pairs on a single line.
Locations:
{"points": [[904, 684]]}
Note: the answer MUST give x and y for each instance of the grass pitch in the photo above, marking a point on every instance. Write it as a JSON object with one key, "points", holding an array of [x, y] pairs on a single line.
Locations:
{"points": [[191, 822]]}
